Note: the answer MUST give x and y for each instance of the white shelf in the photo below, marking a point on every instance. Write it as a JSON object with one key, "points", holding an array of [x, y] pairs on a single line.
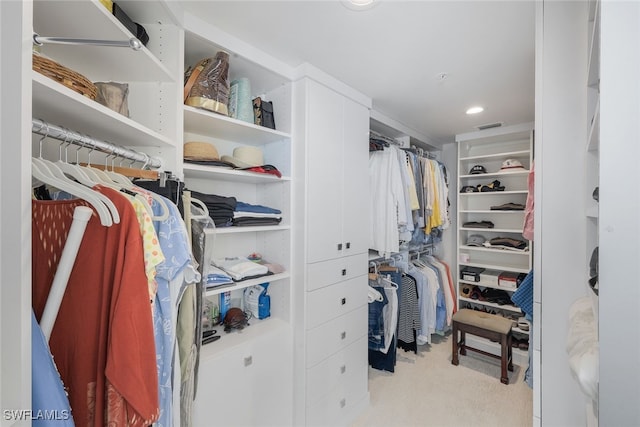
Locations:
{"points": [[500, 251], [495, 174], [492, 230], [90, 20], [57, 104], [592, 212], [228, 340], [485, 285], [488, 211], [506, 155], [496, 267], [593, 143], [192, 170], [246, 283], [253, 229], [207, 123], [493, 193]]}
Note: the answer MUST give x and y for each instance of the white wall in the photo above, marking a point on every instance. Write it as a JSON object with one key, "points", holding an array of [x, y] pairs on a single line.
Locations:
{"points": [[15, 204], [619, 220], [449, 157], [559, 263]]}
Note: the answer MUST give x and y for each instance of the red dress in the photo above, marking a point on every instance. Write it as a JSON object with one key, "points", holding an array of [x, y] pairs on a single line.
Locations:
{"points": [[102, 340]]}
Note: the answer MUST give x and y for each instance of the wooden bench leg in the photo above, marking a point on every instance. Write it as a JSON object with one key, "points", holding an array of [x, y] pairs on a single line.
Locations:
{"points": [[510, 347], [504, 359], [454, 345], [463, 343]]}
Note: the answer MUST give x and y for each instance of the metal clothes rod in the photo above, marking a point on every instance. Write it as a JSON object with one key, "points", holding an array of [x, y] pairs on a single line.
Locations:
{"points": [[133, 42], [68, 136]]}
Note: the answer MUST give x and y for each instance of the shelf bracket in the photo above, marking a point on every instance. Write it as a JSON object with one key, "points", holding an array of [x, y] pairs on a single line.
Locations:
{"points": [[133, 42]]}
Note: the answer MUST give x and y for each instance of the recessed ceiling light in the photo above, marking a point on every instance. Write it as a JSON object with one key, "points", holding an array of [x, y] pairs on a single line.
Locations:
{"points": [[359, 4], [475, 110]]}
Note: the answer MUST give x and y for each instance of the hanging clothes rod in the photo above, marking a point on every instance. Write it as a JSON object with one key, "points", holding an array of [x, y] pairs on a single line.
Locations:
{"points": [[133, 42], [68, 136]]}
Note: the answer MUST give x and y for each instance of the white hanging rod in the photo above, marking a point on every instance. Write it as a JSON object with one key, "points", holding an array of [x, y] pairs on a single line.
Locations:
{"points": [[68, 136], [133, 42]]}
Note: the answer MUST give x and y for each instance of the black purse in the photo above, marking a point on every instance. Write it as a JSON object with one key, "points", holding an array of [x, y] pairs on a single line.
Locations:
{"points": [[263, 113]]}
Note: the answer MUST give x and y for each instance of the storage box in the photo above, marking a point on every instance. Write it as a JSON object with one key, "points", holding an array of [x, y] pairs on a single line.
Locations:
{"points": [[508, 280], [489, 278], [471, 274]]}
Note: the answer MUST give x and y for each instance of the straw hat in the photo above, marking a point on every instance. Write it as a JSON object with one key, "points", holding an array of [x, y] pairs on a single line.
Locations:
{"points": [[245, 157], [202, 151]]}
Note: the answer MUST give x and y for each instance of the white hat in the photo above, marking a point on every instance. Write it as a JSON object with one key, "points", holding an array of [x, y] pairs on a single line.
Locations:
{"points": [[245, 157], [511, 164]]}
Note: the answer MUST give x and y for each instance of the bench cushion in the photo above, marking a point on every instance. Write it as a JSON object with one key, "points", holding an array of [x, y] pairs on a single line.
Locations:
{"points": [[480, 319]]}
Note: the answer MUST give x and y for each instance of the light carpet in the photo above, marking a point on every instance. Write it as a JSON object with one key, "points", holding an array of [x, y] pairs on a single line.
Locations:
{"points": [[427, 390]]}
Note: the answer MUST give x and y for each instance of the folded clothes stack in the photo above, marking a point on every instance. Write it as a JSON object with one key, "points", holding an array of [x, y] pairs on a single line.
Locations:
{"points": [[241, 268], [220, 208], [246, 214], [507, 243], [217, 277]]}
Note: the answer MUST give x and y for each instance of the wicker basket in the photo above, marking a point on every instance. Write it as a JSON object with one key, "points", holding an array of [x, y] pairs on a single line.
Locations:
{"points": [[65, 76]]}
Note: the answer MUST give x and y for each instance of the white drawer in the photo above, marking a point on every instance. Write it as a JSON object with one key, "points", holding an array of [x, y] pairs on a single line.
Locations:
{"points": [[336, 270], [335, 300], [336, 334], [336, 408], [349, 366]]}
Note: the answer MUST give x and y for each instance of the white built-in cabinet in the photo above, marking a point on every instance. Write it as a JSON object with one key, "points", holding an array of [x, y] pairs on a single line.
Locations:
{"points": [[490, 148], [336, 193], [245, 378], [331, 176]]}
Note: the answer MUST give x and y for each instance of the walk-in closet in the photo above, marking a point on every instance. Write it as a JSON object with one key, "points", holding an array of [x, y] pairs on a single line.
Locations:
{"points": [[319, 213]]}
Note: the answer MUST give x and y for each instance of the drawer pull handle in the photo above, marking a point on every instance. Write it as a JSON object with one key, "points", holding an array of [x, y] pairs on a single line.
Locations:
{"points": [[343, 301], [248, 360], [339, 246], [343, 403], [343, 335], [344, 271], [348, 245], [343, 369]]}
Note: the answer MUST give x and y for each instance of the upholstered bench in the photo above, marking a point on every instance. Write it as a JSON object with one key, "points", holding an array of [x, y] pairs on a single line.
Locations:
{"points": [[485, 325]]}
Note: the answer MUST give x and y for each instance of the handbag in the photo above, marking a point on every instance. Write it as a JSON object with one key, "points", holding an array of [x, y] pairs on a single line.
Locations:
{"points": [[263, 113], [207, 84], [114, 96]]}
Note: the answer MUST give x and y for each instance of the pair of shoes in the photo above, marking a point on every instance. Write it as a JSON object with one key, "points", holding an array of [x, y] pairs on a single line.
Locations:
{"points": [[523, 324], [493, 186], [522, 344]]}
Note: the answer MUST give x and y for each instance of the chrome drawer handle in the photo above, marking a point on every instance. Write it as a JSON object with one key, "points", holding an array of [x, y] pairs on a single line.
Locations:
{"points": [[339, 246], [343, 335], [248, 360], [343, 301], [344, 271], [343, 369], [343, 403]]}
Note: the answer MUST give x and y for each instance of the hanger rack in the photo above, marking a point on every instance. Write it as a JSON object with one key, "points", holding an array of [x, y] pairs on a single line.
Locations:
{"points": [[50, 130], [133, 42], [380, 137], [419, 151]]}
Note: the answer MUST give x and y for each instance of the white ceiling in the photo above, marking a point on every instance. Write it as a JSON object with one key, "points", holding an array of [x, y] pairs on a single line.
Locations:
{"points": [[395, 52]]}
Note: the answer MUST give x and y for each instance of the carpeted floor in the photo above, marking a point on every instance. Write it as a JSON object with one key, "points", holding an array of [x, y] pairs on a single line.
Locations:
{"points": [[427, 390]]}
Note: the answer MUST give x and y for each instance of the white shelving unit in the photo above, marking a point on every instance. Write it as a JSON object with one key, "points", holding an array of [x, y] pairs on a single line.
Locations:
{"points": [[490, 148], [257, 359]]}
